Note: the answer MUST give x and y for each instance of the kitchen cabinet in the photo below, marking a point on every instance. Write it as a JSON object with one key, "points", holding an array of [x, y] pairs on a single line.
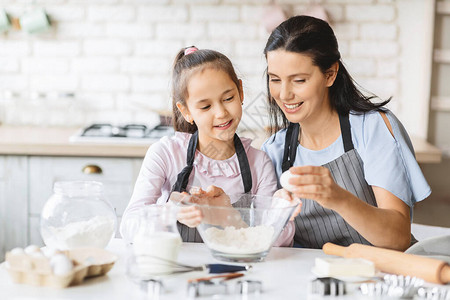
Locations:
{"points": [[13, 202], [26, 183], [440, 90]]}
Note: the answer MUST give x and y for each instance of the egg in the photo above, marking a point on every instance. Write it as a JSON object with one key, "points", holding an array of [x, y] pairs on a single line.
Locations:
{"points": [[32, 248], [61, 264], [37, 254], [17, 251], [49, 251], [284, 180]]}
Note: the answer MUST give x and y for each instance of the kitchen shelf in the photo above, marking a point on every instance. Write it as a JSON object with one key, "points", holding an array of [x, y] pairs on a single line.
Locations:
{"points": [[443, 7], [442, 55], [440, 103]]}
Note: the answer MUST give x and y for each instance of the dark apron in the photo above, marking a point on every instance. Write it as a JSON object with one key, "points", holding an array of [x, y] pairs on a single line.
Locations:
{"points": [[191, 234], [316, 225]]}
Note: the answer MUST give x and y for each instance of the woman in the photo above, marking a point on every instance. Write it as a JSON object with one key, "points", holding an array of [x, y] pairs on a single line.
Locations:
{"points": [[353, 162]]}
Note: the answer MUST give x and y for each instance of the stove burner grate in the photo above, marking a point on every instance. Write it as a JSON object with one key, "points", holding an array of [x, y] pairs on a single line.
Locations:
{"points": [[138, 131]]}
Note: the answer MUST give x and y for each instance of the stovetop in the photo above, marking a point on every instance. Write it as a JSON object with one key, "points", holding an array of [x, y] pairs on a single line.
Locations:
{"points": [[129, 133]]}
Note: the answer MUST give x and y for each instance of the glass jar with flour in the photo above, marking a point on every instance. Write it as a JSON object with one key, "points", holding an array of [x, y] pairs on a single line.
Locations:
{"points": [[155, 246], [77, 215]]}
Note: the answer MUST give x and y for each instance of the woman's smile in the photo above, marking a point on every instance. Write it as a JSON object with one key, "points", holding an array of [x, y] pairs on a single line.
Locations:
{"points": [[292, 108]]}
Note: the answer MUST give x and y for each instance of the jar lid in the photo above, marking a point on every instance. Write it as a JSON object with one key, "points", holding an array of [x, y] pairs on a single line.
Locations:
{"points": [[78, 188]]}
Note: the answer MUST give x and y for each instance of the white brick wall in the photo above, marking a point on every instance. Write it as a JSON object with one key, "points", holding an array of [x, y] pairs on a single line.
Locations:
{"points": [[116, 55]]}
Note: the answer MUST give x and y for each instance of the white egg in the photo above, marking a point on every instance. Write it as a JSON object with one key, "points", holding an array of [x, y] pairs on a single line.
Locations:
{"points": [[49, 251], [61, 264], [17, 251], [37, 254], [32, 248], [284, 180]]}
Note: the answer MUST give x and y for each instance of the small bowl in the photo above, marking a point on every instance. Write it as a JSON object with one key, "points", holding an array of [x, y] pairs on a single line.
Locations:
{"points": [[246, 230]]}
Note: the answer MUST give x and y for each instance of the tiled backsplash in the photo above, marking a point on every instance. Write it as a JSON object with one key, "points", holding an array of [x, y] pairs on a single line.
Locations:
{"points": [[110, 60]]}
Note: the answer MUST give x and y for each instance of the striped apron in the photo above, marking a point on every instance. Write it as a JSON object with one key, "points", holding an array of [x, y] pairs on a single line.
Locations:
{"points": [[191, 234], [316, 225]]}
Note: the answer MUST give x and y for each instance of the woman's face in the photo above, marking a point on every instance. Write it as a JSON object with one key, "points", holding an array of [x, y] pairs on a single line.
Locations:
{"points": [[214, 103], [299, 87]]}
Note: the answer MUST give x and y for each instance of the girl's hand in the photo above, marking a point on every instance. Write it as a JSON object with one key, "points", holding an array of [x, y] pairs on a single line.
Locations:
{"points": [[190, 216], [286, 195], [316, 183], [213, 196]]}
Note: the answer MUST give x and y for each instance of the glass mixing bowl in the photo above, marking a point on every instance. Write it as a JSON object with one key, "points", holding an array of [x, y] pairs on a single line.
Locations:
{"points": [[246, 230], [77, 215]]}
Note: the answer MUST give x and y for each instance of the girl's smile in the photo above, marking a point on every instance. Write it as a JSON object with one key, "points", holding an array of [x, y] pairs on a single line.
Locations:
{"points": [[225, 125]]}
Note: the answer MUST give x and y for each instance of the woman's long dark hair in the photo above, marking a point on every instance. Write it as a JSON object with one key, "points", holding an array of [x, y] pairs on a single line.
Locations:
{"points": [[184, 67], [315, 38]]}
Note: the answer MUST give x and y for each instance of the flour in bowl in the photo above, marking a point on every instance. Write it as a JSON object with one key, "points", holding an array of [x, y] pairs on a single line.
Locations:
{"points": [[248, 240]]}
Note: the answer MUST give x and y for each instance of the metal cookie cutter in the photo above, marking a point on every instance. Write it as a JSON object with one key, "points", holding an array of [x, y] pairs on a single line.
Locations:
{"points": [[206, 288], [328, 286], [396, 286], [434, 293], [248, 288], [153, 288]]}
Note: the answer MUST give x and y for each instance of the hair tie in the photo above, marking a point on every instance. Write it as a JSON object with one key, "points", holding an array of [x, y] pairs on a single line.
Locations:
{"points": [[190, 50]]}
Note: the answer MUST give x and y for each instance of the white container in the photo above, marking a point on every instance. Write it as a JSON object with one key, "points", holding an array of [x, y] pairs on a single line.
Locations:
{"points": [[157, 242], [77, 215]]}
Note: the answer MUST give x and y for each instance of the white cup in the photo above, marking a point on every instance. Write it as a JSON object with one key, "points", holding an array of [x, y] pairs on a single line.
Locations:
{"points": [[35, 21], [4, 21]]}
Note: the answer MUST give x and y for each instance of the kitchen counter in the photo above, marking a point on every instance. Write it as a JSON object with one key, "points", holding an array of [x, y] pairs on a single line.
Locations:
{"points": [[54, 141], [286, 273]]}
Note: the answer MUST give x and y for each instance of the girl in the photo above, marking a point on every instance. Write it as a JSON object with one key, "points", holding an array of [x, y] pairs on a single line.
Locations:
{"points": [[207, 108], [352, 160]]}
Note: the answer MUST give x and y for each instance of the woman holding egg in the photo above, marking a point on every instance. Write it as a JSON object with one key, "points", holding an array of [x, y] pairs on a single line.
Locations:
{"points": [[350, 160]]}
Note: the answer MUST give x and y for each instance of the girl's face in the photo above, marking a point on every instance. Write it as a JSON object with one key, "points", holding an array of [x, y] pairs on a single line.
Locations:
{"points": [[299, 87], [214, 103]]}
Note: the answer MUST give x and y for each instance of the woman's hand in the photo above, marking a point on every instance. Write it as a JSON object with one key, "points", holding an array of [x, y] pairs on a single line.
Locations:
{"points": [[316, 183], [286, 195]]}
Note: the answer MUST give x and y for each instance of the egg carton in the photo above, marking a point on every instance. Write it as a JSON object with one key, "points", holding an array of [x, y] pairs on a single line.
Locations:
{"points": [[37, 271]]}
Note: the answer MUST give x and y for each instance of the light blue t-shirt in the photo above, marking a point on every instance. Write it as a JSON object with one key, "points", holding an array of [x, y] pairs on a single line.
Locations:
{"points": [[388, 161]]}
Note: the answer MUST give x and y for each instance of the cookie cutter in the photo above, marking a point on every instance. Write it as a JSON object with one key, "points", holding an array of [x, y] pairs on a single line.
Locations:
{"points": [[396, 286], [248, 289], [434, 293], [153, 288], [328, 286], [206, 288]]}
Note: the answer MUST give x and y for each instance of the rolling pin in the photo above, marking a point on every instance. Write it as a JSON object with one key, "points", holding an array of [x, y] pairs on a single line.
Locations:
{"points": [[395, 262]]}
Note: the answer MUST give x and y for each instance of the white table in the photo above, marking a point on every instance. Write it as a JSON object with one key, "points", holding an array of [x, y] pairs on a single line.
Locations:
{"points": [[285, 274]]}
